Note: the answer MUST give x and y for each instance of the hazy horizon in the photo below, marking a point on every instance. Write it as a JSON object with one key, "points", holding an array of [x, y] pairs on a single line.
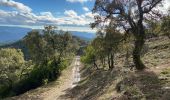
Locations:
{"points": [[67, 15]]}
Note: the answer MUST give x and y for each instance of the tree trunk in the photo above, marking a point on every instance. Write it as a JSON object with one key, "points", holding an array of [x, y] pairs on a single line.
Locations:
{"points": [[139, 43], [104, 62], [111, 61], [95, 65], [137, 55], [127, 58], [140, 39]]}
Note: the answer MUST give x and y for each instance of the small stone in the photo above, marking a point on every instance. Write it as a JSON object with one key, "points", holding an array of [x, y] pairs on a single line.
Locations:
{"points": [[166, 88]]}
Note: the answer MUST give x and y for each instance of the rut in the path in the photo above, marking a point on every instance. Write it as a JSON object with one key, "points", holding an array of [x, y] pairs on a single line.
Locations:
{"points": [[76, 73]]}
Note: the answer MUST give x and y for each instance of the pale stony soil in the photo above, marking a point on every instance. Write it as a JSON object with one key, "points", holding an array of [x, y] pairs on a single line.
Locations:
{"points": [[53, 90]]}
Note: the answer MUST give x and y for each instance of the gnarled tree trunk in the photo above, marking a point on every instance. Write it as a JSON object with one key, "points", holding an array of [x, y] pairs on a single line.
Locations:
{"points": [[140, 39], [137, 53], [139, 43]]}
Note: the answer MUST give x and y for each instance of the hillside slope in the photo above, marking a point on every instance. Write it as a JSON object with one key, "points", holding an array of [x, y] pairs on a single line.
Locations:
{"points": [[121, 83], [124, 84]]}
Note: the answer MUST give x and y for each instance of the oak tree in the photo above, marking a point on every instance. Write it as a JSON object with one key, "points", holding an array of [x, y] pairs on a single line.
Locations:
{"points": [[128, 15]]}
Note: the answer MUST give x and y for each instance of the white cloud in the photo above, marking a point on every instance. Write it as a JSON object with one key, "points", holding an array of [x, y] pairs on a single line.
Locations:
{"points": [[44, 18], [79, 29], [85, 9], [89, 15], [48, 14], [80, 1], [16, 18], [17, 5], [23, 15], [70, 13], [166, 6]]}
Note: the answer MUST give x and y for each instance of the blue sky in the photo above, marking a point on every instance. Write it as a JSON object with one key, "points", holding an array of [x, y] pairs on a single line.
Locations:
{"points": [[68, 15], [71, 15]]}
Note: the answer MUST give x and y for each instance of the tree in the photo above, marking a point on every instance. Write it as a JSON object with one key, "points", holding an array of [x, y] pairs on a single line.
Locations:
{"points": [[48, 46], [90, 56], [36, 45], [104, 46], [165, 26], [100, 53], [11, 63], [128, 15], [112, 40], [50, 53], [154, 29]]}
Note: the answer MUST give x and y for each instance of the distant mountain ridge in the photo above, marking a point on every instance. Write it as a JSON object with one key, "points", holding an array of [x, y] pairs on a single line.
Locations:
{"points": [[84, 35], [10, 34]]}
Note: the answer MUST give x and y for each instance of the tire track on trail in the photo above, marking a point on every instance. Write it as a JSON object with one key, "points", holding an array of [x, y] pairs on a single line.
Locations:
{"points": [[76, 72]]}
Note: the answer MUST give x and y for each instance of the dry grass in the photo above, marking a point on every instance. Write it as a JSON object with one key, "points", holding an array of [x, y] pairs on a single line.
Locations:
{"points": [[123, 84], [95, 85]]}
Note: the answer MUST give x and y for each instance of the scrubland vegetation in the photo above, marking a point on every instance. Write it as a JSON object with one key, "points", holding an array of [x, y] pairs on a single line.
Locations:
{"points": [[50, 52], [128, 65], [128, 60]]}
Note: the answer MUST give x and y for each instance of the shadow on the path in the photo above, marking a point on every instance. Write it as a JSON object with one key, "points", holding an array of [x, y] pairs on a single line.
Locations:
{"points": [[93, 84]]}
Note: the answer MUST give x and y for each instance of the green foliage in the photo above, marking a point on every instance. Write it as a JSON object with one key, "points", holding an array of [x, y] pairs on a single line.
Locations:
{"points": [[104, 46], [112, 40], [11, 63], [50, 53], [165, 27], [19, 45], [154, 29], [89, 56], [49, 45], [38, 76], [35, 44], [63, 64], [122, 15]]}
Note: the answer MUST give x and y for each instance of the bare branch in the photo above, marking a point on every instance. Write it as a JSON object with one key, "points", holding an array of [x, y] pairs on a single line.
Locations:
{"points": [[151, 7]]}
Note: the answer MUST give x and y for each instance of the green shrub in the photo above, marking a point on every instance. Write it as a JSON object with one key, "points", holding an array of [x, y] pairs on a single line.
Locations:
{"points": [[39, 75], [4, 91]]}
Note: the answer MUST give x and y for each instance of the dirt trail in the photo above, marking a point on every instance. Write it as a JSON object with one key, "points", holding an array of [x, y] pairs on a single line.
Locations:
{"points": [[76, 72], [53, 91]]}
